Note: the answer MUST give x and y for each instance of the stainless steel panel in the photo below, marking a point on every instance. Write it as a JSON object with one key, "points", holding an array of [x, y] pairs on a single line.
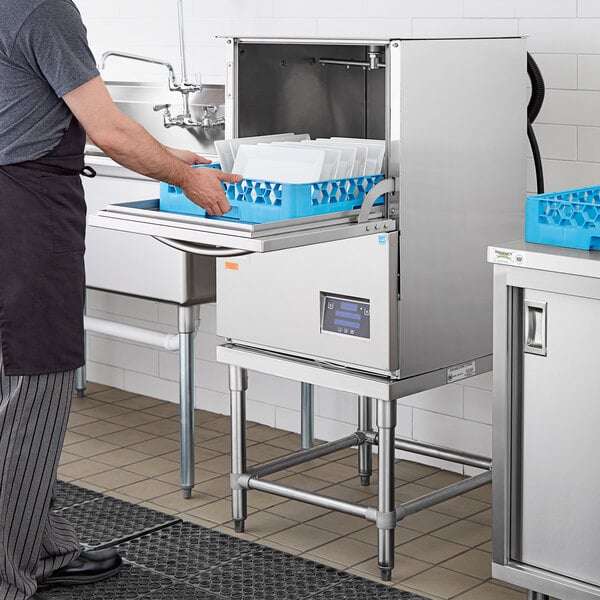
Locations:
{"points": [[283, 87], [556, 586], [457, 138], [273, 300], [561, 409]]}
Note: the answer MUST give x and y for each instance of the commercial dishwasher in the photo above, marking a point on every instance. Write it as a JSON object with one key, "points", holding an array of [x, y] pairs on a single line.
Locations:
{"points": [[385, 300]]}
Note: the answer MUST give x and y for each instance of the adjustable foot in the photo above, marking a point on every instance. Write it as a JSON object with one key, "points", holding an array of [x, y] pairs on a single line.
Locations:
{"points": [[365, 480], [187, 492], [386, 574], [81, 393], [239, 525]]}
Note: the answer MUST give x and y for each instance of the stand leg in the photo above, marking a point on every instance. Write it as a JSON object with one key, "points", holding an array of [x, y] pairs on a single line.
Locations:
{"points": [[307, 415], [238, 384], [80, 381], [186, 327], [386, 425], [537, 596], [80, 374], [365, 451]]}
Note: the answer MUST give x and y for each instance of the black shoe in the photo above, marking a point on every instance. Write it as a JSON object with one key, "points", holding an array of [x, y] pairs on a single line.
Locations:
{"points": [[91, 566]]}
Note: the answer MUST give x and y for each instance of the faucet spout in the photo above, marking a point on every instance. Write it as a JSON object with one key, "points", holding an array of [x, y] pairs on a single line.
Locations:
{"points": [[146, 59], [183, 87]]}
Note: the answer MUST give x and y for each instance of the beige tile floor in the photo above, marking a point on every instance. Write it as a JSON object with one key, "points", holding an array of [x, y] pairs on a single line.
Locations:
{"points": [[126, 446]]}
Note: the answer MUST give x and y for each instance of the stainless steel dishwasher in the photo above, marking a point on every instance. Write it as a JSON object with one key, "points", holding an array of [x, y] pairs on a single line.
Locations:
{"points": [[412, 273]]}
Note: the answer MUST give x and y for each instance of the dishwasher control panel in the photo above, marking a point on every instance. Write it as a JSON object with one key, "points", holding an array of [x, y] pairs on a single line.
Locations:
{"points": [[345, 315]]}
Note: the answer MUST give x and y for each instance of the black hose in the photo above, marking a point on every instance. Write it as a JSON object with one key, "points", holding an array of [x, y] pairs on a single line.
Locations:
{"points": [[538, 91], [537, 159]]}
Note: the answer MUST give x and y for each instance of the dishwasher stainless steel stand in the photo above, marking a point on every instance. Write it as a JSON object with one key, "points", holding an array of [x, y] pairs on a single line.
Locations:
{"points": [[384, 393]]}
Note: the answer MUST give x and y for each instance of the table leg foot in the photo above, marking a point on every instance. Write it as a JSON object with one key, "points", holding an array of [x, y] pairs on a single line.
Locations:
{"points": [[240, 525]]}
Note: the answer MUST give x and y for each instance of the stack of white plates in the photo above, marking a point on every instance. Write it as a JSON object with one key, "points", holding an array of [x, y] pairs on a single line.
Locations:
{"points": [[295, 158]]}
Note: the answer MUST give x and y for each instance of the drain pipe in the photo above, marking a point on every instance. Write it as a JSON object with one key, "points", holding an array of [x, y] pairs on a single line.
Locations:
{"points": [[167, 341]]}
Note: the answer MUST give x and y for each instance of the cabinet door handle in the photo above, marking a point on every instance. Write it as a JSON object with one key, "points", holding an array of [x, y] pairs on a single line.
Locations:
{"points": [[535, 327]]}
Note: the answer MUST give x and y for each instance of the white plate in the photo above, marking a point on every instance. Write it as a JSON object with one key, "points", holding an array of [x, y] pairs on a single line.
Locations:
{"points": [[330, 164], [285, 165], [225, 154], [265, 139], [347, 156], [375, 153]]}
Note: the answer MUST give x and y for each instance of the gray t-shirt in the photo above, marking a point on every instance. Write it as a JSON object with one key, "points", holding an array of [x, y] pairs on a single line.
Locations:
{"points": [[44, 54]]}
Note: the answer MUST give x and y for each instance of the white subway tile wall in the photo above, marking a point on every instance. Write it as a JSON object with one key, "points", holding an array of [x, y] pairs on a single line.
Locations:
{"points": [[588, 71], [563, 36]]}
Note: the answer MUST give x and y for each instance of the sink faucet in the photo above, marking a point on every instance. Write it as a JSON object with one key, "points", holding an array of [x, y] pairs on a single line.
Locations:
{"points": [[173, 85], [184, 87]]}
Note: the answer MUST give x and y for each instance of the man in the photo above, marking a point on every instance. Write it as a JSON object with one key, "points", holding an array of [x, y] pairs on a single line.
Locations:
{"points": [[51, 95]]}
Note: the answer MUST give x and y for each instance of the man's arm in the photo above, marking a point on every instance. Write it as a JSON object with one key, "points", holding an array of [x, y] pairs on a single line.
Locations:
{"points": [[129, 144]]}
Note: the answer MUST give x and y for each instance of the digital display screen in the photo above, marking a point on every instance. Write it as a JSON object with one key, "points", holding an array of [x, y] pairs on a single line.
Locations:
{"points": [[346, 317]]}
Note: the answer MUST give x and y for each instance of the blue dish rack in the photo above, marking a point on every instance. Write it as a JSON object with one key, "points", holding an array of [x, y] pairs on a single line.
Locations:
{"points": [[570, 218], [254, 201]]}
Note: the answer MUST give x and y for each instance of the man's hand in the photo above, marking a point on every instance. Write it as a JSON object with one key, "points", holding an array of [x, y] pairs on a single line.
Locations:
{"points": [[203, 187]]}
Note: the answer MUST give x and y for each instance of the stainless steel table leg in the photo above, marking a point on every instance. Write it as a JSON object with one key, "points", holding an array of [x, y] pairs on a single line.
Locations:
{"points": [[537, 596], [365, 451], [186, 328], [80, 381], [386, 425], [307, 415], [80, 374], [238, 384]]}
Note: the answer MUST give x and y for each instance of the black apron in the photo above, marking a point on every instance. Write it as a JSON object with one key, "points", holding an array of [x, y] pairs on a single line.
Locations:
{"points": [[42, 277]]}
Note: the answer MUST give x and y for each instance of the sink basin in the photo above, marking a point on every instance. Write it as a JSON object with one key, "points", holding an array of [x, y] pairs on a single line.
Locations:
{"points": [[136, 100]]}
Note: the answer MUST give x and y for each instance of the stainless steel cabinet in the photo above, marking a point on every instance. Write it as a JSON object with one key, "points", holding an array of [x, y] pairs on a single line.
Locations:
{"points": [[546, 414]]}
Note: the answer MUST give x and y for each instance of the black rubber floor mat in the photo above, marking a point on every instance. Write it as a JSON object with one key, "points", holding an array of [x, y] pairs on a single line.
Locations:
{"points": [[184, 549], [67, 494], [131, 583], [181, 591], [108, 521], [268, 574], [168, 559]]}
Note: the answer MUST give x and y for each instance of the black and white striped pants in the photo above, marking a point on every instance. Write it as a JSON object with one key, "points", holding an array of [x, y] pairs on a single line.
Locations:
{"points": [[34, 541]]}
